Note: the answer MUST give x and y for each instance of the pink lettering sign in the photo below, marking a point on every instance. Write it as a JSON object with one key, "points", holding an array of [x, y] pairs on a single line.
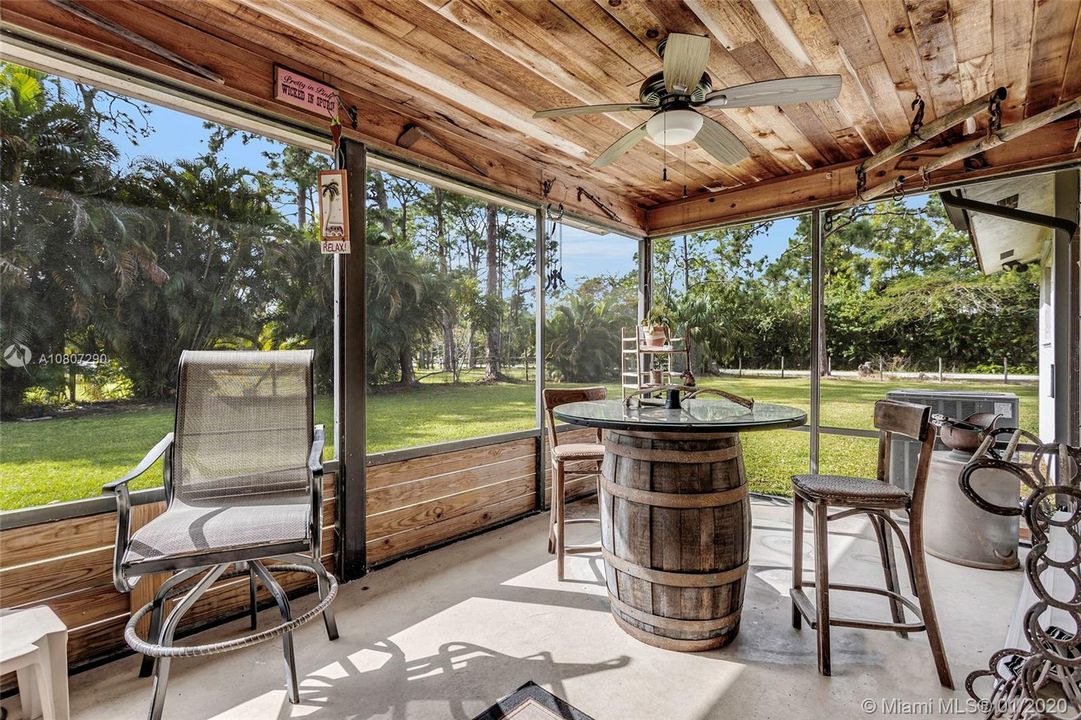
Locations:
{"points": [[295, 89]]}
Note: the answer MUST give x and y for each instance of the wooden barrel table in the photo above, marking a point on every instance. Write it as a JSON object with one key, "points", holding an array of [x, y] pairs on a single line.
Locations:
{"points": [[675, 516]]}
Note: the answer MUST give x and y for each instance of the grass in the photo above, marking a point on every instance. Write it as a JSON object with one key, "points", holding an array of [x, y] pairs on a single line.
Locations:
{"points": [[70, 457]]}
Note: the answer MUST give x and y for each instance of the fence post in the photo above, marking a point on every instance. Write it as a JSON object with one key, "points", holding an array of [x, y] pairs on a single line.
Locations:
{"points": [[940, 369], [1005, 372], [782, 367], [741, 366], [881, 370]]}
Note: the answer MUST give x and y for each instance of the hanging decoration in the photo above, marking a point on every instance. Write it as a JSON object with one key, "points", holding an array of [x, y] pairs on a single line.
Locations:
{"points": [[554, 279], [334, 211]]}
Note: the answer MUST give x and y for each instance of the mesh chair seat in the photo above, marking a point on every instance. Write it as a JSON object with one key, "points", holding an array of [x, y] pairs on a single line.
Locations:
{"points": [[188, 532], [849, 491], [578, 451]]}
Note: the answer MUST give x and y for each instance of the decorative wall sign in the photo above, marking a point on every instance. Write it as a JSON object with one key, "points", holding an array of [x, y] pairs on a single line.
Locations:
{"points": [[293, 88], [334, 211]]}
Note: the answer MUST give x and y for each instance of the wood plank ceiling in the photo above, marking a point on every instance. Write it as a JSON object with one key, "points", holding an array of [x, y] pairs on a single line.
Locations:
{"points": [[487, 65], [473, 72]]}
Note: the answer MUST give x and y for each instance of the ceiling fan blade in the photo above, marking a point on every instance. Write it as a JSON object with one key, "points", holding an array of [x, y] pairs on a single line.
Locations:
{"points": [[685, 58], [616, 149], [720, 142], [784, 91], [587, 109]]}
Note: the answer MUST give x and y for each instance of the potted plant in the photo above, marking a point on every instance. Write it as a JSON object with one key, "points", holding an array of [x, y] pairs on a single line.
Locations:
{"points": [[654, 328]]}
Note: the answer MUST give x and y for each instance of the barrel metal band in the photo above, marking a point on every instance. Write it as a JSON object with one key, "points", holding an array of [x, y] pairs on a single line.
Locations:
{"points": [[674, 456], [684, 501], [676, 579], [692, 626]]}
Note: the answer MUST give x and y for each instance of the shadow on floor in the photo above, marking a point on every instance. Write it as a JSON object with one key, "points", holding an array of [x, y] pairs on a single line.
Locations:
{"points": [[458, 673]]}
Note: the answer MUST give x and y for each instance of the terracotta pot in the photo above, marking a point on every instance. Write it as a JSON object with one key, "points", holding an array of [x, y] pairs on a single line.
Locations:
{"points": [[653, 335], [656, 376]]}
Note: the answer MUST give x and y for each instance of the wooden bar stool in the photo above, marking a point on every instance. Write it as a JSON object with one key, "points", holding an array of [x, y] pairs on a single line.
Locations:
{"points": [[561, 455], [874, 498]]}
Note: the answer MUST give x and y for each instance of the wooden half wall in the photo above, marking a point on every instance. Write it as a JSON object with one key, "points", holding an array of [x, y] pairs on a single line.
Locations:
{"points": [[413, 505]]}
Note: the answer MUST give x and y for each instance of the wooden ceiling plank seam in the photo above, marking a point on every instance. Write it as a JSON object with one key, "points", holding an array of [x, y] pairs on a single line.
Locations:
{"points": [[762, 67], [1071, 78], [578, 41], [1012, 24], [250, 82], [745, 28], [1053, 31], [610, 32], [855, 102], [934, 35], [889, 23], [975, 50], [770, 128]]}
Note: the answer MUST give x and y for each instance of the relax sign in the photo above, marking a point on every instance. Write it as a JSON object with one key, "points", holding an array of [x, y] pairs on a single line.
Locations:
{"points": [[293, 88]]}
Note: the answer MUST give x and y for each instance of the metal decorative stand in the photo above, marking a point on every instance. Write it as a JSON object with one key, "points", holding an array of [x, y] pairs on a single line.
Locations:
{"points": [[1040, 681]]}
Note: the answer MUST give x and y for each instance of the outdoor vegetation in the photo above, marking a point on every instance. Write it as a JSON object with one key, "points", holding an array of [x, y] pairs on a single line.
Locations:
{"points": [[110, 267]]}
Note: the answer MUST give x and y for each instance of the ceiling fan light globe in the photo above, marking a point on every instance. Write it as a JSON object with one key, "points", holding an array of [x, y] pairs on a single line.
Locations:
{"points": [[674, 127]]}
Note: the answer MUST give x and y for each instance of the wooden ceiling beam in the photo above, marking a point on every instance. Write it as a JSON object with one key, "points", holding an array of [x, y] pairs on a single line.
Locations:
{"points": [[1050, 146], [1011, 36]]}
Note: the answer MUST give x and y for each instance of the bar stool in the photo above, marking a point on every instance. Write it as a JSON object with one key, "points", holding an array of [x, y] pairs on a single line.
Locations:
{"points": [[561, 455], [874, 498]]}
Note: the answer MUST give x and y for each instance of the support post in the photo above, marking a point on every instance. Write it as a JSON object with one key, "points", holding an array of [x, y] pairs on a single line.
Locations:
{"points": [[538, 348], [350, 373], [817, 341], [940, 369], [645, 277], [1066, 304]]}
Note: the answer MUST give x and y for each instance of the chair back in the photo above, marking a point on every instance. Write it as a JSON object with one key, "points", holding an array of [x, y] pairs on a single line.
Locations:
{"points": [[912, 421], [554, 397], [244, 425]]}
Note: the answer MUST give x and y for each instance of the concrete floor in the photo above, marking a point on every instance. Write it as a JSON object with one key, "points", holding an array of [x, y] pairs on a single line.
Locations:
{"points": [[445, 634]]}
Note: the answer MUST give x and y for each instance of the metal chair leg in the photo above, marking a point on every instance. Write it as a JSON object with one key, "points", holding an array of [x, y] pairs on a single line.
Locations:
{"points": [[558, 510], [161, 667], [292, 689], [252, 598], [146, 669], [329, 622], [927, 604], [889, 569], [797, 556], [822, 585]]}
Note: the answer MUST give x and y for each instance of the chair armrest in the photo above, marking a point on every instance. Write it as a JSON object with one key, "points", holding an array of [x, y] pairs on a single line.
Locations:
{"points": [[315, 476], [151, 457], [123, 509], [315, 457]]}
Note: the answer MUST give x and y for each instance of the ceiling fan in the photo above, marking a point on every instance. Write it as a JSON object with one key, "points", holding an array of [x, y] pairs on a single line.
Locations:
{"points": [[682, 86]]}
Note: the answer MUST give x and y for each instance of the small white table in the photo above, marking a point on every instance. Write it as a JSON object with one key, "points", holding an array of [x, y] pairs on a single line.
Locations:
{"points": [[34, 646]]}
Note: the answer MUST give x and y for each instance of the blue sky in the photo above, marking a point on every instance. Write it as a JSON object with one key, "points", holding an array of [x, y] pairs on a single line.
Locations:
{"points": [[585, 254]]}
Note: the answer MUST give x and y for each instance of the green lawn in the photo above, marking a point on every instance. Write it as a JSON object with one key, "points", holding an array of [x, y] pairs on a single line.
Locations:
{"points": [[67, 458]]}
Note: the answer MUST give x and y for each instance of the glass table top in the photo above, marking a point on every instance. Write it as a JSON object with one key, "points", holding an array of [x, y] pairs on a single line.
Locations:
{"points": [[696, 415]]}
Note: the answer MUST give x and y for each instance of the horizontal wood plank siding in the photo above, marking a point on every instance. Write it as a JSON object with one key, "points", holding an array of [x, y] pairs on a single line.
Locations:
{"points": [[416, 503]]}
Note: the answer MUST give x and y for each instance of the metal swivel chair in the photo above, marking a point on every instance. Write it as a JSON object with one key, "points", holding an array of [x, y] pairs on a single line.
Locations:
{"points": [[874, 498], [561, 455], [243, 483]]}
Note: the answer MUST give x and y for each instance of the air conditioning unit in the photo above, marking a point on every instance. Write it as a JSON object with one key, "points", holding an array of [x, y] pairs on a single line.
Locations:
{"points": [[956, 404]]}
